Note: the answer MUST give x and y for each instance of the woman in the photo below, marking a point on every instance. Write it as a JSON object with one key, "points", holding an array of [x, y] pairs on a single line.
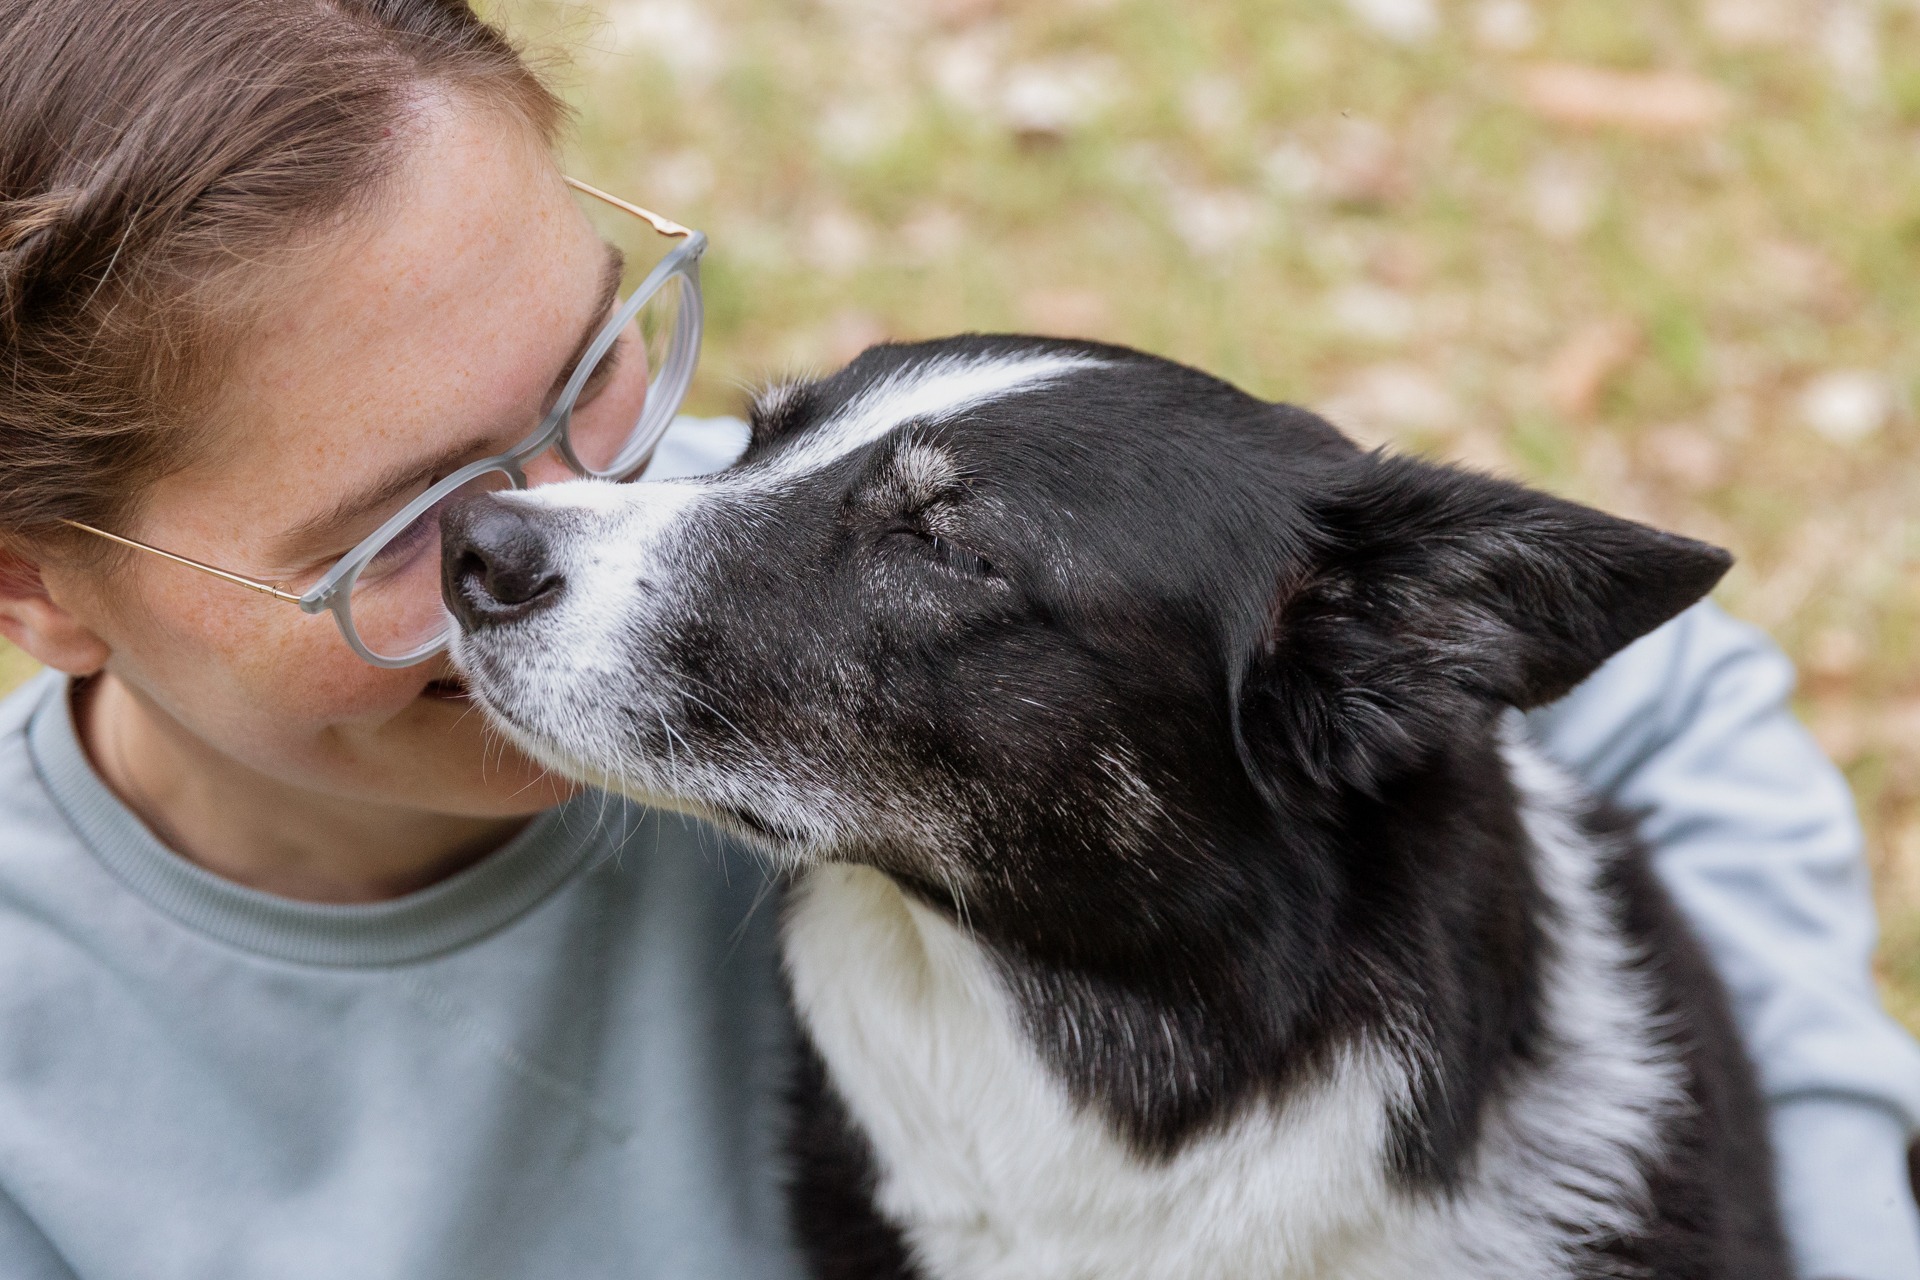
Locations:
{"points": [[305, 976]]}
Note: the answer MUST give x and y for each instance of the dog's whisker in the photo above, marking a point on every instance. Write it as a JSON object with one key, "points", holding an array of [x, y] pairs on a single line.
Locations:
{"points": [[716, 713]]}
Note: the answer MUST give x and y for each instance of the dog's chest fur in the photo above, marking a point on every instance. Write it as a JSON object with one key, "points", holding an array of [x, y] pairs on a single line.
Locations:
{"points": [[990, 1170]]}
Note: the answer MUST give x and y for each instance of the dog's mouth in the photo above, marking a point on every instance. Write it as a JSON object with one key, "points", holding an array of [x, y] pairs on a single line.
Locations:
{"points": [[772, 833], [447, 689]]}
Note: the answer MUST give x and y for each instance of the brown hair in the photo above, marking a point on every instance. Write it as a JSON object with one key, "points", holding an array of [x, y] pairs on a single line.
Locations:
{"points": [[152, 154]]}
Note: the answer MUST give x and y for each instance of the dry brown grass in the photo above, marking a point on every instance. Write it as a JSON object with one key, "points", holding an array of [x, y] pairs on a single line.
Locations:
{"points": [[14, 666], [1659, 256]]}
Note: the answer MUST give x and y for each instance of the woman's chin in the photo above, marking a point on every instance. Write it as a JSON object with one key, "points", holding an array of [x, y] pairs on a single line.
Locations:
{"points": [[480, 773]]}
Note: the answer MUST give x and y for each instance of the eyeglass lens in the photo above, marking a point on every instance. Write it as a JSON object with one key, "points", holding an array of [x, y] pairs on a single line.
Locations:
{"points": [[609, 424], [395, 603]]}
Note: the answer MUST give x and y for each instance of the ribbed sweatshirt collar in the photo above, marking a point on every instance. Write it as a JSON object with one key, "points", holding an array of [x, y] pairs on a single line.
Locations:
{"points": [[443, 917]]}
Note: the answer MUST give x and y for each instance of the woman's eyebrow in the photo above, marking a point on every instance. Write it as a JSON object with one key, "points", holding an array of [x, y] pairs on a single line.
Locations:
{"points": [[403, 481]]}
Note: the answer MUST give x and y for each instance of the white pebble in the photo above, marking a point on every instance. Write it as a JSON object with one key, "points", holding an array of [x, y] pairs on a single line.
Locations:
{"points": [[1846, 405], [1506, 26], [1373, 313], [1403, 21]]}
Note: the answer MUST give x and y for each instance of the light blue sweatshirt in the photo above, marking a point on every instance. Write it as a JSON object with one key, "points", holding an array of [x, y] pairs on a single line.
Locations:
{"points": [[1754, 833], [566, 1060]]}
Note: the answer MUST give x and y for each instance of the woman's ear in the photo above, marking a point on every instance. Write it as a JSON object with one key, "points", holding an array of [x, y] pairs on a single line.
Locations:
{"points": [[33, 620]]}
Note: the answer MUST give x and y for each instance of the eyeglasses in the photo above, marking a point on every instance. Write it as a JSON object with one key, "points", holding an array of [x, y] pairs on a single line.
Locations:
{"points": [[385, 593]]}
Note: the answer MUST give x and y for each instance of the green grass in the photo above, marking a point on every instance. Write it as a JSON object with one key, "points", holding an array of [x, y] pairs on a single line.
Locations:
{"points": [[1270, 190]]}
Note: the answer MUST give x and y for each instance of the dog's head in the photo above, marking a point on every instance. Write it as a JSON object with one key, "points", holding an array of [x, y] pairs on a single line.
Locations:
{"points": [[995, 614]]}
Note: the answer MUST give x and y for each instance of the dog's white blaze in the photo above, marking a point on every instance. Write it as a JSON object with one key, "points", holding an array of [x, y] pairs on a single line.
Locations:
{"points": [[610, 569], [930, 391], [994, 1173]]}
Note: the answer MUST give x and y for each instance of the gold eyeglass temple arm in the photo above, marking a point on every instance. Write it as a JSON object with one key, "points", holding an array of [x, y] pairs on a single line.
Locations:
{"points": [[665, 226], [264, 588]]}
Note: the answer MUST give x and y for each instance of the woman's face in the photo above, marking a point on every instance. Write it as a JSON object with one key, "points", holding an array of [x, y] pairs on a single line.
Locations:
{"points": [[431, 335]]}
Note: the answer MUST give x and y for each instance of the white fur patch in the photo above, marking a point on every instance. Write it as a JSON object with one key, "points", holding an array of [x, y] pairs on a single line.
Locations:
{"points": [[994, 1173], [627, 540], [927, 391], [614, 559], [990, 1167]]}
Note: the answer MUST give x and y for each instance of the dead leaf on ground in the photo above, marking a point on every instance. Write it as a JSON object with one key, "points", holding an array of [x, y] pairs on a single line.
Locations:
{"points": [[1900, 864], [1834, 657], [852, 331], [1380, 403], [1066, 313], [1839, 728], [1656, 103], [1848, 729], [1687, 456], [1365, 167], [1579, 370]]}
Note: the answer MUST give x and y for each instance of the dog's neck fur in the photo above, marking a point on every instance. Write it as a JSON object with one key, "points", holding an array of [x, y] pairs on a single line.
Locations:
{"points": [[1018, 1110], [1222, 985]]}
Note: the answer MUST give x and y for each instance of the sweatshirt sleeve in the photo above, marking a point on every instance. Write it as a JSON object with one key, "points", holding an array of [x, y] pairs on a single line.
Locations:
{"points": [[25, 1251], [695, 446], [1754, 833]]}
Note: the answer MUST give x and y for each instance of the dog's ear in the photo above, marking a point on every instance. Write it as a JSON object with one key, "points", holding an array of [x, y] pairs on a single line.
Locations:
{"points": [[1431, 598], [777, 412]]}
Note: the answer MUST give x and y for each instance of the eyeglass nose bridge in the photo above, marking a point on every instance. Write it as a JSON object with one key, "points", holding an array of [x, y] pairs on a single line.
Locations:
{"points": [[557, 440], [332, 595], [562, 445]]}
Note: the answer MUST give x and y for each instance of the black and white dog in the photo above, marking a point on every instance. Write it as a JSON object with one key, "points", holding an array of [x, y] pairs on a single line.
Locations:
{"points": [[1172, 893]]}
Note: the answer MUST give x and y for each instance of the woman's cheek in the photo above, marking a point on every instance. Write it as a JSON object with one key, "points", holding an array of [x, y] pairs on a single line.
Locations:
{"points": [[303, 667], [261, 667]]}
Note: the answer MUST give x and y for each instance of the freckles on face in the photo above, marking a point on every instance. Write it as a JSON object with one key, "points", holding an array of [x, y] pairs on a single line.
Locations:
{"points": [[432, 332]]}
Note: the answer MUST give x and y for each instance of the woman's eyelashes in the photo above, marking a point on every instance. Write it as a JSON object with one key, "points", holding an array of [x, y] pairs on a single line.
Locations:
{"points": [[603, 373]]}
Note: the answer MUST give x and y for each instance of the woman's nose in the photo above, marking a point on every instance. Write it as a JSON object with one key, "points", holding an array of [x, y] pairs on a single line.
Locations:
{"points": [[496, 562]]}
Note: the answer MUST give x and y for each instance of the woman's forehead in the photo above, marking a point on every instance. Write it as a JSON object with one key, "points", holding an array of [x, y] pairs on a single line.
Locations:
{"points": [[445, 314]]}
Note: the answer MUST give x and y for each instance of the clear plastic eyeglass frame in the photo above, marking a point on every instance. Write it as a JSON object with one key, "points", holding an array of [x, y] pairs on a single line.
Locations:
{"points": [[334, 591]]}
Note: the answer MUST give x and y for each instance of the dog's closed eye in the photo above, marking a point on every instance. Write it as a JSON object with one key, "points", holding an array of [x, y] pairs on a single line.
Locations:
{"points": [[945, 550]]}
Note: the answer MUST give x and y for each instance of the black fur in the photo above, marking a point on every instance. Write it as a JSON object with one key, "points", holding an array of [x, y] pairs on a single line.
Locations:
{"points": [[1299, 653], [830, 1192], [1715, 1190]]}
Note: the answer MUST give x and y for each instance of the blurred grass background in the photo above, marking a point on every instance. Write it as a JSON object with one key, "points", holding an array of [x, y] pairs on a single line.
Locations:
{"points": [[1658, 255]]}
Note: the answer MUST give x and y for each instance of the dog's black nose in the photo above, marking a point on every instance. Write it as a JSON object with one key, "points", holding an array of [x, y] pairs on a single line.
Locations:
{"points": [[495, 563]]}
